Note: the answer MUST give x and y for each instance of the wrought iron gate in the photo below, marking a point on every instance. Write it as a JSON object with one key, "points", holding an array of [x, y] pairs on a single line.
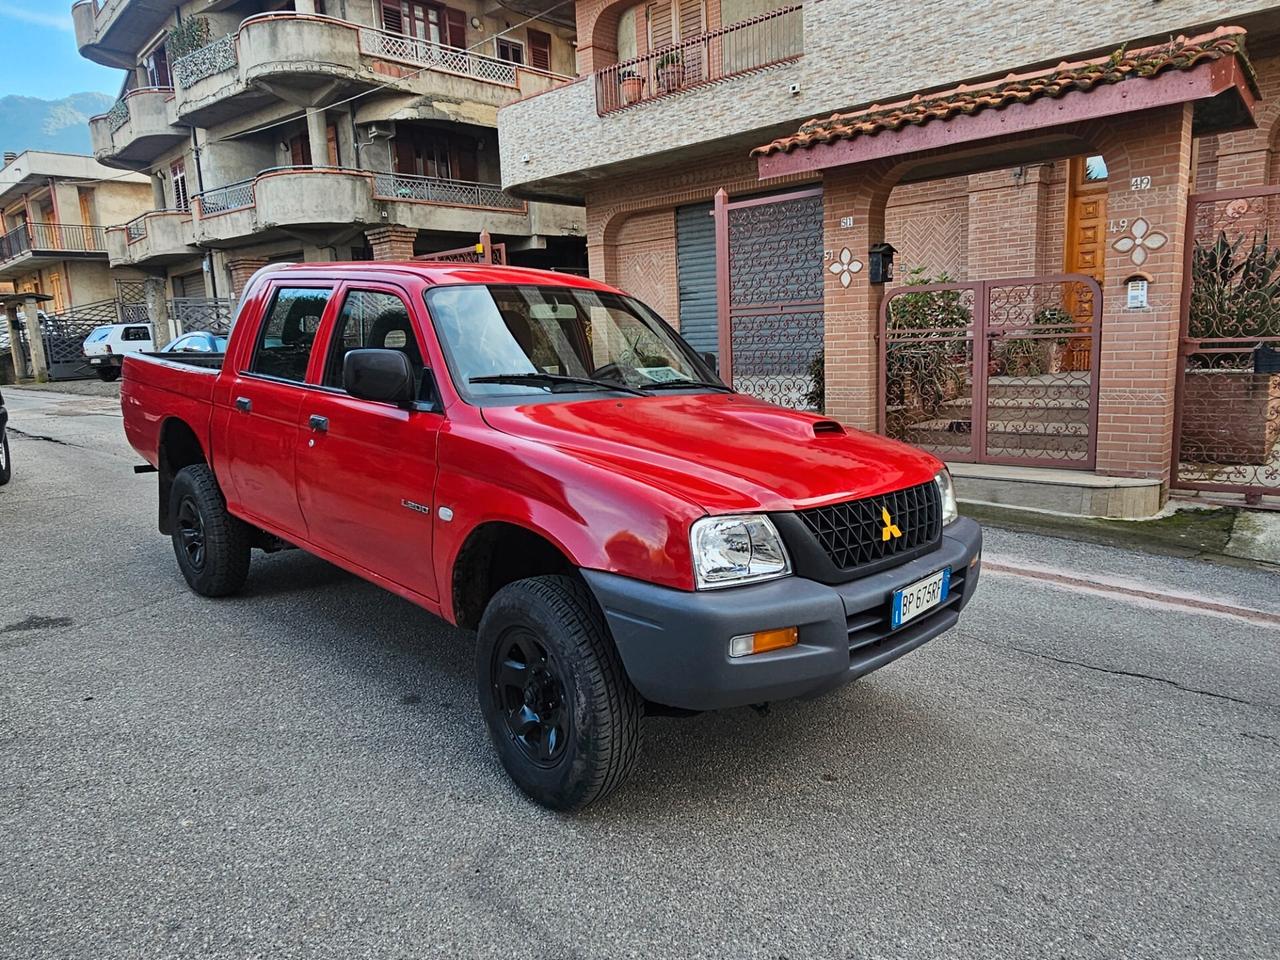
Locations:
{"points": [[1227, 412], [64, 335], [994, 371], [769, 280]]}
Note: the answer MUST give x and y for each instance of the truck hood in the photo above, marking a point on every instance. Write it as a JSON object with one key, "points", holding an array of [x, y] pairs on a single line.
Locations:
{"points": [[721, 452]]}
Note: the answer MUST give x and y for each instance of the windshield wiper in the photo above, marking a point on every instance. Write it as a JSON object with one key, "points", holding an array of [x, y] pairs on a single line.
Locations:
{"points": [[682, 384], [552, 380]]}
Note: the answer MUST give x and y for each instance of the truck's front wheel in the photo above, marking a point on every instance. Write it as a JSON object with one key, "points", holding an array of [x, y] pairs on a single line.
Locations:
{"points": [[211, 545], [562, 714]]}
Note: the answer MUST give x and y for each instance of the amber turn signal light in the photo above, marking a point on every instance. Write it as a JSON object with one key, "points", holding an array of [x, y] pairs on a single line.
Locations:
{"points": [[763, 641]]}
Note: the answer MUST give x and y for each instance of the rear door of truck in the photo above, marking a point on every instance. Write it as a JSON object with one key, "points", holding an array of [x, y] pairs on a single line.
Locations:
{"points": [[265, 379]]}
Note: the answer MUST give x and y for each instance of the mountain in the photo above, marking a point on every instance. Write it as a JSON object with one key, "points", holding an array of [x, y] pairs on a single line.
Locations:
{"points": [[28, 123]]}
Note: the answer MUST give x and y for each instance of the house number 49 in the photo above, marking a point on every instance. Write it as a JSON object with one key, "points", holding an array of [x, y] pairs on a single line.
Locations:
{"points": [[1140, 183]]}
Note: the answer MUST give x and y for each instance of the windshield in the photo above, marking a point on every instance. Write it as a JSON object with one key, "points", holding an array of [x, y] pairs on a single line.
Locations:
{"points": [[527, 340]]}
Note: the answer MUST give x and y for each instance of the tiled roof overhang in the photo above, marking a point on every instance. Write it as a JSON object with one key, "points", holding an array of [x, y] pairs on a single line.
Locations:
{"points": [[1210, 70]]}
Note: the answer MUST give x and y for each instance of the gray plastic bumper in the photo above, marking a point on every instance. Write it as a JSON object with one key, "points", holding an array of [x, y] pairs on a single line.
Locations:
{"points": [[675, 644]]}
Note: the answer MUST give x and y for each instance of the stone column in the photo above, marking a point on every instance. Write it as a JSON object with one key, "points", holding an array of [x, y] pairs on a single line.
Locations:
{"points": [[854, 202], [1139, 365], [318, 135], [242, 270], [15, 344], [307, 7], [158, 310], [392, 243], [31, 319]]}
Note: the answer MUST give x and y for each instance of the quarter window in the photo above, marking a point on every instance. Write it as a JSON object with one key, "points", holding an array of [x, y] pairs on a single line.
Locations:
{"points": [[135, 334], [371, 319], [284, 343]]}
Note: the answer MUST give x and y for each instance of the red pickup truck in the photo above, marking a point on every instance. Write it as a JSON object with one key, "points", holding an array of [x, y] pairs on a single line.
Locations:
{"points": [[541, 459]]}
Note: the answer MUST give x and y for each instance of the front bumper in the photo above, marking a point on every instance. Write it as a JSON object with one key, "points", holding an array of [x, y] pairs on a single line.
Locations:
{"points": [[675, 644]]}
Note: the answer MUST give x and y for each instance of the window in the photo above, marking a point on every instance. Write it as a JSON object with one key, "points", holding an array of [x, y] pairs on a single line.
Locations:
{"points": [[178, 177], [510, 50], [135, 334], [375, 320], [539, 50], [300, 148], [156, 67], [284, 343]]}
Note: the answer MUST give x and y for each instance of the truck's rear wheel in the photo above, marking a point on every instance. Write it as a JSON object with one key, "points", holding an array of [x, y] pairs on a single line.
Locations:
{"points": [[562, 714], [107, 374], [212, 546]]}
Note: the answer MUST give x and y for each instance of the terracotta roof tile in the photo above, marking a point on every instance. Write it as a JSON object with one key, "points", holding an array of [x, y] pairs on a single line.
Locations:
{"points": [[964, 100]]}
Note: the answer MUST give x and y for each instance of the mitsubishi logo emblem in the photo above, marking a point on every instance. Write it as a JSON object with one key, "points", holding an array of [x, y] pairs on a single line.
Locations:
{"points": [[890, 528]]}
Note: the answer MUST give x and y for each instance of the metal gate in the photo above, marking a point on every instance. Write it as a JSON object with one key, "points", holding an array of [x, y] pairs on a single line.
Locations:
{"points": [[1227, 411], [769, 289], [994, 371], [64, 335]]}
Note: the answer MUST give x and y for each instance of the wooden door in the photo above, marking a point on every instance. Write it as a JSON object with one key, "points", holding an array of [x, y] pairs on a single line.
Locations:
{"points": [[1086, 246]]}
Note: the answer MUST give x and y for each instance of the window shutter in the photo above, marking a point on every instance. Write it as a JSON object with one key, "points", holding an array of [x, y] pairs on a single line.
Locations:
{"points": [[692, 21], [331, 133], [300, 151], [539, 50], [406, 157], [455, 27], [392, 18], [660, 25]]}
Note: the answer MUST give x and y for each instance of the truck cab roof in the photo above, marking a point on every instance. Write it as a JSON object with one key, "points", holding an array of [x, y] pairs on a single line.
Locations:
{"points": [[436, 273]]}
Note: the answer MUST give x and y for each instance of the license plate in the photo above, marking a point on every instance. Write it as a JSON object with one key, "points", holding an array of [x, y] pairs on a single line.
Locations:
{"points": [[96, 361], [921, 596]]}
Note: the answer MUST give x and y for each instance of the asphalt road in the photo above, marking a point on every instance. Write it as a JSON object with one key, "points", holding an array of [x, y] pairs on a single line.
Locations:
{"points": [[302, 772]]}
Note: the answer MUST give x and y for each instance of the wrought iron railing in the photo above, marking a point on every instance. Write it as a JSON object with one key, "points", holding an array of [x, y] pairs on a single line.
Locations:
{"points": [[214, 58], [67, 237], [233, 196], [437, 56], [213, 314], [460, 193], [753, 44], [136, 229]]}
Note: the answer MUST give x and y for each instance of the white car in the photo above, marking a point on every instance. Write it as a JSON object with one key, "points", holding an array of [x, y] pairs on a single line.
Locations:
{"points": [[107, 345]]}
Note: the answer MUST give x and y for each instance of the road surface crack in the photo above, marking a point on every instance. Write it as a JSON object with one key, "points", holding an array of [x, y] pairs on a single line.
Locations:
{"points": [[1143, 676], [40, 436]]}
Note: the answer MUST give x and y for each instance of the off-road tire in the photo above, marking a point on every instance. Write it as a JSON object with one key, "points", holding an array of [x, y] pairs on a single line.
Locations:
{"points": [[605, 712], [222, 568], [107, 374], [6, 461]]}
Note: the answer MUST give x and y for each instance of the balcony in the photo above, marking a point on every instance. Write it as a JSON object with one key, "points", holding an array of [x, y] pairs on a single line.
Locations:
{"points": [[111, 32], [303, 58], [754, 44], [137, 129], [36, 245], [342, 204], [156, 238]]}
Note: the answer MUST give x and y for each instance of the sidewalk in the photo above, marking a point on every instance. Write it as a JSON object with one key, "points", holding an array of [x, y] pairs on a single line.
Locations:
{"points": [[1221, 534]]}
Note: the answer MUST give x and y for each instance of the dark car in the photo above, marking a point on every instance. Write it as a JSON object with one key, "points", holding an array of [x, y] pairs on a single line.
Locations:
{"points": [[6, 464]]}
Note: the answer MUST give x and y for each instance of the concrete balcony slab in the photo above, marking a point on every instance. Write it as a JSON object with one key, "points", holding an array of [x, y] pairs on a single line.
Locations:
{"points": [[111, 32], [139, 128], [154, 239]]}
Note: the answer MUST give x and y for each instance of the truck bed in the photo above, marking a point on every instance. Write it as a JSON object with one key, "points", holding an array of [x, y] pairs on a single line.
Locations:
{"points": [[160, 387]]}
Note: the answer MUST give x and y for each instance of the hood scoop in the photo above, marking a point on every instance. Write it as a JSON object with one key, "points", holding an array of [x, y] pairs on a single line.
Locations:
{"points": [[824, 428]]}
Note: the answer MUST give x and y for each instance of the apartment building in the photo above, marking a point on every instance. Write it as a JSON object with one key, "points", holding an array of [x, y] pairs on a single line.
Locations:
{"points": [[1020, 239], [54, 207], [321, 130]]}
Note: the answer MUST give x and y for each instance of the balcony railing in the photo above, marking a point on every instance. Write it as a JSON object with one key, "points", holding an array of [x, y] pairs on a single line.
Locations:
{"points": [[234, 196], [68, 238], [209, 60], [457, 193], [753, 44], [437, 56]]}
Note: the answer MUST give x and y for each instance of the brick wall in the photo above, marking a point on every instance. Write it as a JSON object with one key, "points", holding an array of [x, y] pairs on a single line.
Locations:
{"points": [[644, 254]]}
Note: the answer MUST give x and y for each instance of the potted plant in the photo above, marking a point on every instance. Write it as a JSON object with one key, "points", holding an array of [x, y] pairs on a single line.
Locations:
{"points": [[632, 85], [669, 73]]}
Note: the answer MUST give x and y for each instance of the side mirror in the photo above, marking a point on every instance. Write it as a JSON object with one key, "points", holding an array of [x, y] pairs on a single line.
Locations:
{"points": [[385, 376], [710, 360]]}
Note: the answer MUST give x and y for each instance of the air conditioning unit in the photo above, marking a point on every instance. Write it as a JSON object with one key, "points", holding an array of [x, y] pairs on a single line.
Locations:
{"points": [[380, 131]]}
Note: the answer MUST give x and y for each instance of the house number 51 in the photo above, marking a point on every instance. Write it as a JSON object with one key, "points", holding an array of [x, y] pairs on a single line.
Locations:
{"points": [[1140, 183]]}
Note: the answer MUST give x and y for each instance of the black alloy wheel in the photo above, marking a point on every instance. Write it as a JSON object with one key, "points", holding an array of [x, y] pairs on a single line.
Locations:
{"points": [[529, 689], [191, 533]]}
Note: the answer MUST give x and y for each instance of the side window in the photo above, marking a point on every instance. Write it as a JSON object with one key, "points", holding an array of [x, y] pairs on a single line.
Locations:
{"points": [[375, 320], [134, 334], [284, 343]]}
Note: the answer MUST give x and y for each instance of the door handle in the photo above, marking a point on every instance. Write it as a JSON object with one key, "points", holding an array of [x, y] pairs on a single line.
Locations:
{"points": [[244, 404], [319, 424]]}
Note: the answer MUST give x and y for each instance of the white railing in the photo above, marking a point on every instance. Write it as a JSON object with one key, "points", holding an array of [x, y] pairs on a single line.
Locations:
{"points": [[211, 59], [437, 56], [458, 193], [233, 196]]}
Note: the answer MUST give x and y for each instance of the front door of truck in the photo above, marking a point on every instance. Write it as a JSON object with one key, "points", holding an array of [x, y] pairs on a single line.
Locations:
{"points": [[367, 470], [260, 422]]}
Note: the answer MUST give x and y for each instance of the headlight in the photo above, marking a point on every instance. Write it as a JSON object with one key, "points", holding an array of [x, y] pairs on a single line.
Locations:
{"points": [[736, 549], [947, 491]]}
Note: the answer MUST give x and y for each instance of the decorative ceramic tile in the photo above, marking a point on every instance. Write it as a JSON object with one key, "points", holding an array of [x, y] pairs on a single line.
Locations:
{"points": [[845, 266], [1139, 241]]}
